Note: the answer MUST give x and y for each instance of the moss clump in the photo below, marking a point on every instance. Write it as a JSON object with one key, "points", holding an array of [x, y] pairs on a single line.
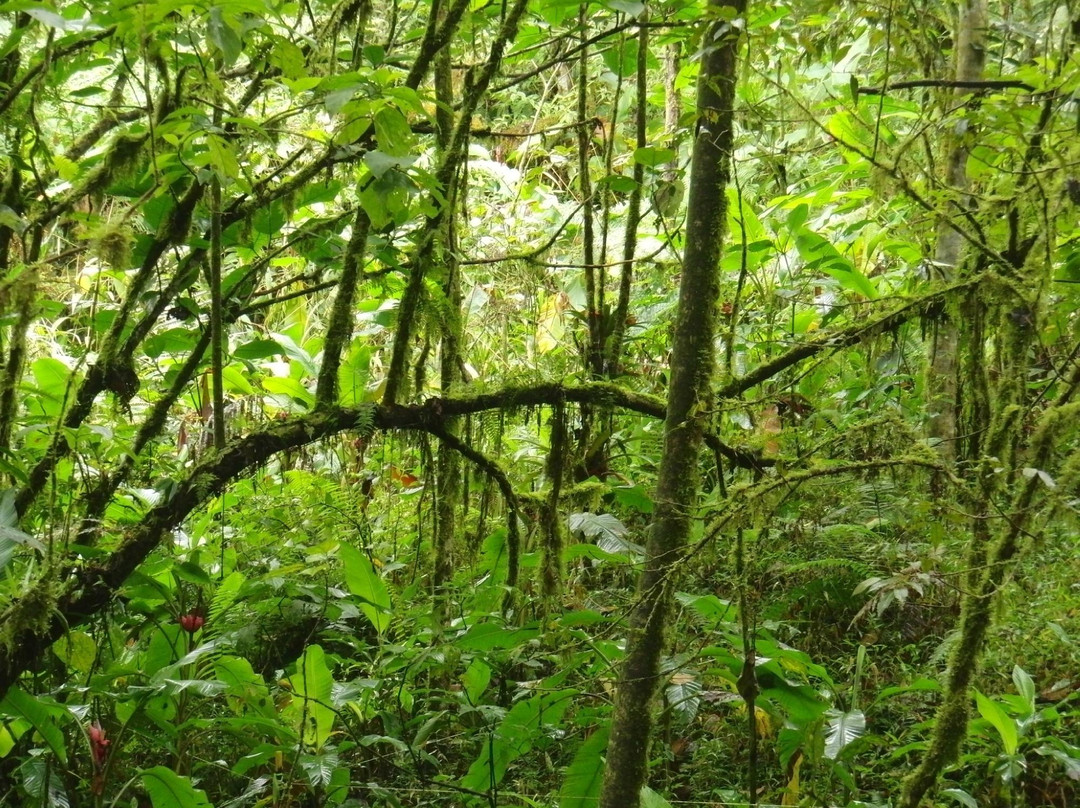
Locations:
{"points": [[31, 613], [112, 245]]}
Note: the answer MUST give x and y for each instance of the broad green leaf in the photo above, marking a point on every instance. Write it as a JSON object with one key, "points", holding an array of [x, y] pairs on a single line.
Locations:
{"points": [[295, 352], [290, 388], [1000, 720], [43, 783], [45, 718], [51, 376], [222, 157], [375, 54], [1071, 762], [516, 735], [235, 380], [167, 789], [9, 734], [631, 8], [9, 218], [585, 774], [842, 729], [820, 254], [379, 162], [650, 799], [375, 206], [246, 686], [77, 650], [803, 704], [1025, 686], [258, 349], [203, 687], [683, 695], [393, 132], [172, 341], [337, 98], [290, 58], [619, 183], [177, 669], [302, 84], [653, 156], [223, 36], [961, 797], [364, 582], [850, 131], [191, 572], [428, 728], [606, 530], [319, 768], [633, 496], [312, 687], [354, 375], [712, 608], [744, 220], [338, 788], [476, 679]]}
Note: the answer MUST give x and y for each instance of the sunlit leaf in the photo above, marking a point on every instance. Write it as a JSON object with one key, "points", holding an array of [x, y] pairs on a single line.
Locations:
{"points": [[653, 156], [960, 796], [364, 582], [167, 789], [312, 686], [841, 729], [1025, 686], [1000, 720], [45, 716]]}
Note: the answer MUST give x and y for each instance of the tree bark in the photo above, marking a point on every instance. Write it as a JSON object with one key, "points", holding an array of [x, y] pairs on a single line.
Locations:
{"points": [[943, 404], [448, 470], [689, 404]]}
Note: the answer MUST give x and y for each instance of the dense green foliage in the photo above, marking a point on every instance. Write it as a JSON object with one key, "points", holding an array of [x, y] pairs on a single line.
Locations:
{"points": [[335, 350]]}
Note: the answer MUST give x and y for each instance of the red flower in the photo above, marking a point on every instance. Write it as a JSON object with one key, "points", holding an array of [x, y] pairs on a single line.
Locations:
{"points": [[99, 744], [192, 622]]}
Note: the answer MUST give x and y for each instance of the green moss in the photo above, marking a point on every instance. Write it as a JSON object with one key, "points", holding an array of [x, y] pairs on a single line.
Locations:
{"points": [[31, 613], [112, 245]]}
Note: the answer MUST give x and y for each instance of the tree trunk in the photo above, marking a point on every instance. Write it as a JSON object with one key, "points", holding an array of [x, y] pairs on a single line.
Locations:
{"points": [[688, 407], [448, 471], [942, 392]]}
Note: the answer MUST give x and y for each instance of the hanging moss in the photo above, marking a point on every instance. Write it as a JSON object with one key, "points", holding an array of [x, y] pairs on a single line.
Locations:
{"points": [[112, 245]]}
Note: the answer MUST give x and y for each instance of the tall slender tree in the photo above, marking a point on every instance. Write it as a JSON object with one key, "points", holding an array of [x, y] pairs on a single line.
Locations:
{"points": [[689, 407], [943, 392]]}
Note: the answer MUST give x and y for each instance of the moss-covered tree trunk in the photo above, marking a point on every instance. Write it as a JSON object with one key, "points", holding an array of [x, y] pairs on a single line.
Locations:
{"points": [[943, 403], [448, 472], [688, 407]]}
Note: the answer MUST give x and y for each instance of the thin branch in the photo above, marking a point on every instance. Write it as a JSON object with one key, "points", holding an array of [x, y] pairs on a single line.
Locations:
{"points": [[976, 86], [854, 333]]}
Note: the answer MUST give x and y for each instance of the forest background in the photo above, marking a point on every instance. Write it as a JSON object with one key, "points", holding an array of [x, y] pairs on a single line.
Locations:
{"points": [[539, 403]]}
